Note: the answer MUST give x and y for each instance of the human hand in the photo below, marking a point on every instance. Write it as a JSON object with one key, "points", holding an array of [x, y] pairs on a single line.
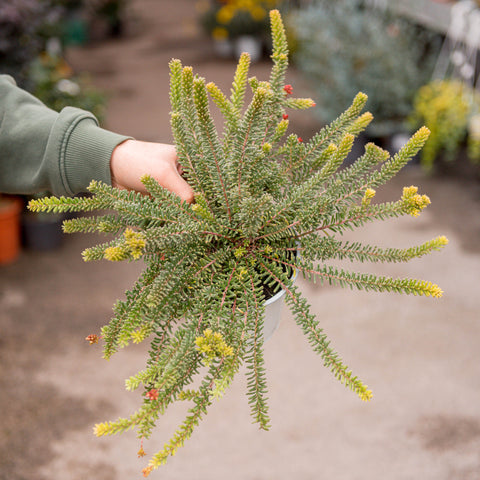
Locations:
{"points": [[133, 158]]}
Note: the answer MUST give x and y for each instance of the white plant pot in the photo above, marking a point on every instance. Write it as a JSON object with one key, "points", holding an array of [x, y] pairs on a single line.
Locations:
{"points": [[273, 312], [249, 44]]}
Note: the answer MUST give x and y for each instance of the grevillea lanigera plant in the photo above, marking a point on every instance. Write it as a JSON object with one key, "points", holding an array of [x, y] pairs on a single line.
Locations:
{"points": [[267, 204]]}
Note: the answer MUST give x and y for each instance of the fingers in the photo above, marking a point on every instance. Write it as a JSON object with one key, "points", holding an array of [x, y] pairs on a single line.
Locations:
{"points": [[176, 184], [174, 181], [132, 159]]}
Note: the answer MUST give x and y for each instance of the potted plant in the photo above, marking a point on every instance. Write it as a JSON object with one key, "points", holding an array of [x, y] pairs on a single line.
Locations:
{"points": [[41, 231], [10, 208], [267, 206], [450, 109], [237, 26]]}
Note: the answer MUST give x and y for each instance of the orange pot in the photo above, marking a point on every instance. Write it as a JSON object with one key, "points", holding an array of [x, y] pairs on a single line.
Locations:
{"points": [[10, 208]]}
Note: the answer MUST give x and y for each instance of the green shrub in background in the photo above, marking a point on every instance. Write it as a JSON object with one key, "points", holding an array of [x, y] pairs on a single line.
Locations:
{"points": [[20, 41], [345, 47]]}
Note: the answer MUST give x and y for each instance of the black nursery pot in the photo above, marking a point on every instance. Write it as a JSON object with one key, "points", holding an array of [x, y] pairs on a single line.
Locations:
{"points": [[41, 233]]}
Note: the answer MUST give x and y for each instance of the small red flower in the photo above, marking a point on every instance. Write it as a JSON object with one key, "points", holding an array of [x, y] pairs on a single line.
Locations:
{"points": [[288, 89], [314, 104], [300, 139], [92, 339], [152, 394], [285, 116]]}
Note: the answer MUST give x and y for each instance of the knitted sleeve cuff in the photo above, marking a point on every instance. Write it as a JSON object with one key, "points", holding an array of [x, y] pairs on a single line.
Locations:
{"points": [[85, 154]]}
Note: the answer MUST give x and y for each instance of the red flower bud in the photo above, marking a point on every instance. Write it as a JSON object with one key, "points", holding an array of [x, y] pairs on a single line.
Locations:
{"points": [[300, 139], [152, 394], [288, 89], [92, 339], [285, 116]]}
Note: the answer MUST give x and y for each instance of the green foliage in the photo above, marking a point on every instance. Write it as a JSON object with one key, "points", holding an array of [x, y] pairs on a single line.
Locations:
{"points": [[266, 204], [346, 46]]}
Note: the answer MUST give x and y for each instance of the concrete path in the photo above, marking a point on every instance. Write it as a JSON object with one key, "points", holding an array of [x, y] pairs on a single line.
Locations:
{"points": [[421, 357]]}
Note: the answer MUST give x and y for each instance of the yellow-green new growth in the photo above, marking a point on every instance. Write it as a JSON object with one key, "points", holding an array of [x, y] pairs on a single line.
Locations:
{"points": [[366, 395], [239, 83], [132, 247], [361, 123], [414, 203], [359, 102], [202, 211], [267, 147], [212, 345], [441, 241], [240, 252], [300, 103], [139, 335], [135, 241], [367, 198], [416, 142], [115, 254]]}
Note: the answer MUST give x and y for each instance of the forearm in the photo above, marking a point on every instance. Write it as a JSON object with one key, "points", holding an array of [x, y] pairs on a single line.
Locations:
{"points": [[44, 150]]}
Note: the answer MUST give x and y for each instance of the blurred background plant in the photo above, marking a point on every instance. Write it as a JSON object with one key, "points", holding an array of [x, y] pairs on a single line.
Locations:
{"points": [[238, 25], [347, 46], [112, 12], [450, 109], [23, 26], [55, 84], [33, 36], [224, 19]]}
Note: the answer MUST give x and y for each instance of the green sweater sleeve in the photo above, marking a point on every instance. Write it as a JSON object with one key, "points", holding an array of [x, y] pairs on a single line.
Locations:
{"points": [[42, 150]]}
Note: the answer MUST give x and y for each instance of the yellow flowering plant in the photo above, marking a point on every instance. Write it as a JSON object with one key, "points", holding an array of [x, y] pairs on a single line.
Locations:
{"points": [[229, 19], [449, 108], [267, 203]]}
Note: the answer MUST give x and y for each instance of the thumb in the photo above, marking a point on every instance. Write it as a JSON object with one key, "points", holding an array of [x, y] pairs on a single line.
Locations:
{"points": [[176, 184]]}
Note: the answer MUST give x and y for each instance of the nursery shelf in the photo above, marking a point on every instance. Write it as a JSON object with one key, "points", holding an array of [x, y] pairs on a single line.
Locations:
{"points": [[433, 15]]}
